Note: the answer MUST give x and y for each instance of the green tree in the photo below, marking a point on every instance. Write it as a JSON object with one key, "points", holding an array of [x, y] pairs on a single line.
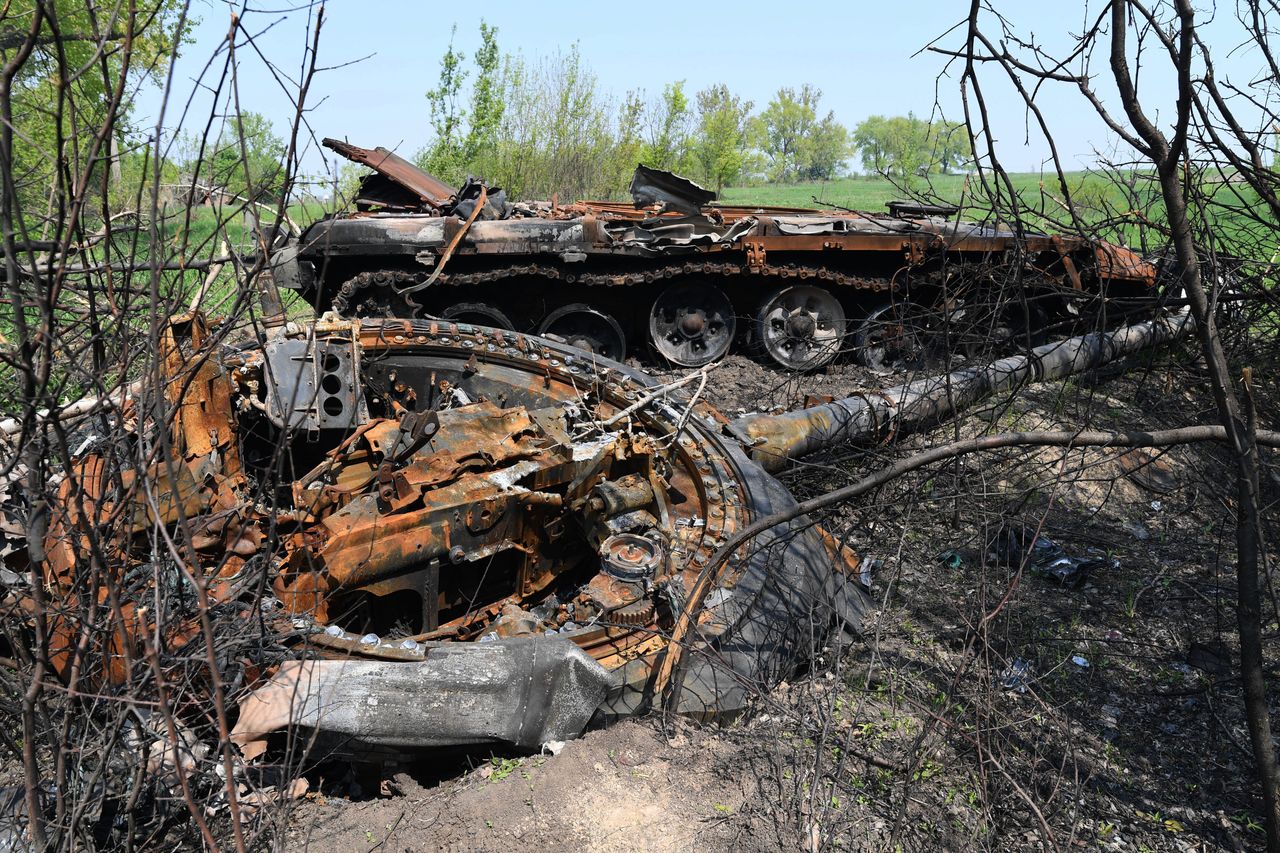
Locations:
{"points": [[487, 103], [559, 133], [906, 146], [628, 147], [796, 142], [950, 145], [871, 140], [77, 59], [782, 129], [444, 156], [247, 160], [669, 136], [720, 147], [135, 169], [825, 149]]}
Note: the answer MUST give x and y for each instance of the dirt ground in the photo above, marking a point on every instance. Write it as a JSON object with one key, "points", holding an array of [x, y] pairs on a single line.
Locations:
{"points": [[985, 708]]}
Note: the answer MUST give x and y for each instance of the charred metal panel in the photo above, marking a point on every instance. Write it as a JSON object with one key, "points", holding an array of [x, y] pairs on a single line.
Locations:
{"points": [[670, 192], [315, 383], [524, 692], [434, 193], [490, 549]]}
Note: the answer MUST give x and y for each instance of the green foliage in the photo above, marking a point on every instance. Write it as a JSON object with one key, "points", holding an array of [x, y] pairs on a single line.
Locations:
{"points": [[502, 767], [88, 67], [444, 156], [543, 127], [246, 161], [906, 146], [669, 130], [487, 104], [557, 134], [628, 148], [720, 152], [797, 144], [135, 172]]}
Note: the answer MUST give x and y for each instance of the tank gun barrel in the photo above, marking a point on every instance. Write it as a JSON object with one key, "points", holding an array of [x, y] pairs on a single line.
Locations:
{"points": [[775, 440]]}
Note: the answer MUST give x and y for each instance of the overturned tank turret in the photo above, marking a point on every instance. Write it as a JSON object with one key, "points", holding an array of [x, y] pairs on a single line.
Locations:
{"points": [[678, 277], [452, 535]]}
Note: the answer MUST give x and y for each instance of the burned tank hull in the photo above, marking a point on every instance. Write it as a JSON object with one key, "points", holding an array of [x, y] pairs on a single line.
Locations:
{"points": [[683, 280]]}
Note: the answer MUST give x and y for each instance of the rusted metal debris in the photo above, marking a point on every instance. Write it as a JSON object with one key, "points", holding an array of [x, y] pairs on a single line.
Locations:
{"points": [[478, 520], [399, 184], [809, 283]]}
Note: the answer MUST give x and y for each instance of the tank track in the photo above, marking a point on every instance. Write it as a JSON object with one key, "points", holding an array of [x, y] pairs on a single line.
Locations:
{"points": [[356, 290]]}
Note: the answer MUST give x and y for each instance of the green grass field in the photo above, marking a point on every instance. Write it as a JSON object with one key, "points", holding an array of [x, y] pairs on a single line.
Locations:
{"points": [[1100, 200], [1037, 191]]}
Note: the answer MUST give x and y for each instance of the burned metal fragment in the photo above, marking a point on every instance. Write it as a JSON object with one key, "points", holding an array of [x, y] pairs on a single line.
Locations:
{"points": [[668, 191]]}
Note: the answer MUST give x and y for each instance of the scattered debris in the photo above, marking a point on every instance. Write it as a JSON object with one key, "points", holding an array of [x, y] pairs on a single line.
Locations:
{"points": [[1015, 546], [1138, 530], [1149, 469], [1213, 657], [1017, 675]]}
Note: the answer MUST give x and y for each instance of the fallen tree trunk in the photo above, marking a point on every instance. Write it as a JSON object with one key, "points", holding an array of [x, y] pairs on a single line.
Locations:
{"points": [[774, 440]]}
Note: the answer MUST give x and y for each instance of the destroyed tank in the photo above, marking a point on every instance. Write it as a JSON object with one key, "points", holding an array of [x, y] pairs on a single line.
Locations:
{"points": [[413, 534], [683, 278]]}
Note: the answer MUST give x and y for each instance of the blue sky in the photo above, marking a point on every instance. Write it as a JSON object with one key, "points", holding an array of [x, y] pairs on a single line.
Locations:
{"points": [[867, 57]]}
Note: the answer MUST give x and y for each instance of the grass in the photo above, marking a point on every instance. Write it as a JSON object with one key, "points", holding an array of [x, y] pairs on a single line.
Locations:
{"points": [[1096, 195], [1121, 213]]}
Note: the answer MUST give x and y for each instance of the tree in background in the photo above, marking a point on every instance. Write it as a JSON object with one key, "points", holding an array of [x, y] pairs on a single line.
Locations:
{"points": [[826, 149], [905, 146], [781, 129], [628, 147], [247, 161], [871, 141], [544, 127], [444, 155], [135, 169], [797, 144], [670, 138], [558, 131], [108, 70], [487, 101], [720, 151], [465, 141]]}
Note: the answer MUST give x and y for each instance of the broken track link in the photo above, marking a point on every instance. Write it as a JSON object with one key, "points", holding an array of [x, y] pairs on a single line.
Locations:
{"points": [[366, 284]]}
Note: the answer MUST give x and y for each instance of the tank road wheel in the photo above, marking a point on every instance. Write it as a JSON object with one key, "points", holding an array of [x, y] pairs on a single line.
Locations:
{"points": [[478, 314], [800, 326], [692, 324], [587, 329], [887, 337]]}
